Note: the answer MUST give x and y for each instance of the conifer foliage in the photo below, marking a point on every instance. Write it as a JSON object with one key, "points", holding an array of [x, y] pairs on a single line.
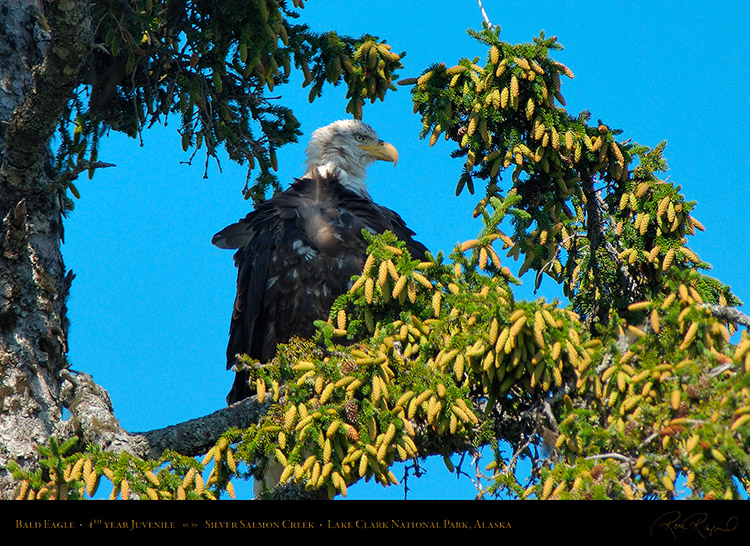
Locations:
{"points": [[215, 65], [636, 386]]}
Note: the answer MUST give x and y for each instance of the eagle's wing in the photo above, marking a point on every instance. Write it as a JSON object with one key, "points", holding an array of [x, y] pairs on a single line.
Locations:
{"points": [[398, 227], [255, 238], [379, 219]]}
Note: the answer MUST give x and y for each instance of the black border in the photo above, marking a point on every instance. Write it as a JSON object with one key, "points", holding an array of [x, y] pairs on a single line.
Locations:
{"points": [[657, 522]]}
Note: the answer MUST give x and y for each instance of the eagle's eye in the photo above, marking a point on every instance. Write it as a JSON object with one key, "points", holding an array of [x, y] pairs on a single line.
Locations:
{"points": [[359, 137]]}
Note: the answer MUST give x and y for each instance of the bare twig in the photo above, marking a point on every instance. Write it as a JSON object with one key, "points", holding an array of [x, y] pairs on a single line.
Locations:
{"points": [[730, 314], [485, 17], [718, 370], [617, 456], [65, 177]]}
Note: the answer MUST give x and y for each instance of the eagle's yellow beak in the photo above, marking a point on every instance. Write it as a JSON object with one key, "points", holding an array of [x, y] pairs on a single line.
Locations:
{"points": [[382, 150]]}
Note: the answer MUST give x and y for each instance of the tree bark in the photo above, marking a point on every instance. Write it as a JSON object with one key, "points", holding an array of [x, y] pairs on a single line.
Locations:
{"points": [[43, 45]]}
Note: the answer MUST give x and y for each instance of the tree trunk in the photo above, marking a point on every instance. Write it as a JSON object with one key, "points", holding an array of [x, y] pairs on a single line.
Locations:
{"points": [[43, 45]]}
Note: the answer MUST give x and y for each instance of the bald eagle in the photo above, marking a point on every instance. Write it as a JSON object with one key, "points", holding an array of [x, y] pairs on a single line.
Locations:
{"points": [[298, 250]]}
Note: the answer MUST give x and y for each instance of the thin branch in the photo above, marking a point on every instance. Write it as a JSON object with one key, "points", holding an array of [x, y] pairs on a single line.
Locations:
{"points": [[196, 436], [729, 314], [485, 17], [718, 370], [617, 456], [64, 178]]}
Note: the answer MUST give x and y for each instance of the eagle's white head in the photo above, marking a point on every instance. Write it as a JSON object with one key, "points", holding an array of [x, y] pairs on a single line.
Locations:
{"points": [[345, 149]]}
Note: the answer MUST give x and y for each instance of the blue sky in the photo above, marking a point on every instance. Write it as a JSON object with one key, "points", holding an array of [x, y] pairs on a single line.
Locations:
{"points": [[150, 304]]}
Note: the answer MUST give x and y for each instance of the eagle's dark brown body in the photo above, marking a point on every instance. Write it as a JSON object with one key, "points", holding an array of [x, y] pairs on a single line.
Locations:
{"points": [[297, 253]]}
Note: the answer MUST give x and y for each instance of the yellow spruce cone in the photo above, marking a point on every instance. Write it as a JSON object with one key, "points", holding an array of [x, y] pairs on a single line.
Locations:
{"points": [[547, 488], [617, 153], [473, 122], [624, 201], [675, 398], [435, 134], [369, 263], [639, 306], [523, 63], [539, 327], [671, 211], [514, 87], [382, 273], [539, 130], [504, 97], [125, 489], [690, 255], [555, 138], [457, 69], [399, 286], [495, 98], [530, 108], [663, 205], [569, 139], [392, 271], [641, 189], [740, 421], [654, 318], [644, 223], [424, 78], [369, 290], [597, 143], [682, 290], [689, 336], [494, 54], [358, 284], [668, 259], [501, 68], [578, 152], [562, 69], [436, 301], [654, 253], [289, 417]]}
